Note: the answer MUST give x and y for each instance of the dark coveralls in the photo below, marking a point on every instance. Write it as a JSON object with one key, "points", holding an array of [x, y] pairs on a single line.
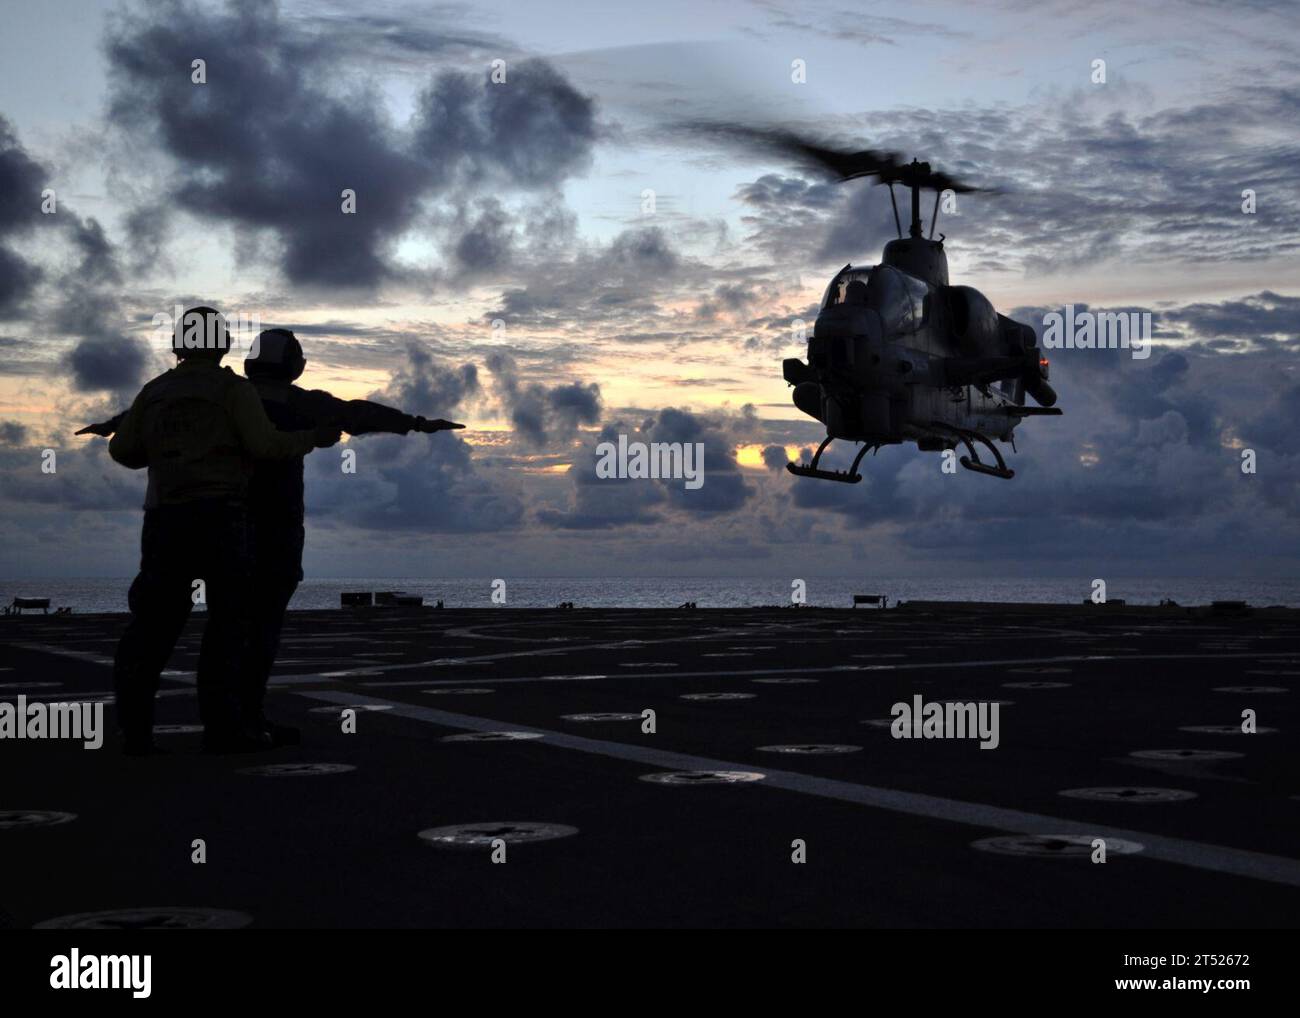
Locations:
{"points": [[198, 429], [275, 501]]}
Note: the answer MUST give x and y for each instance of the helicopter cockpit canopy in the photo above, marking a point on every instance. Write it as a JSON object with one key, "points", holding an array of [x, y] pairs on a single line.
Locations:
{"points": [[898, 298]]}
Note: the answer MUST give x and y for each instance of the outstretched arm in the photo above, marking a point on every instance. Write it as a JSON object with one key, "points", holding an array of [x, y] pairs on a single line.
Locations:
{"points": [[438, 424], [104, 428], [360, 416]]}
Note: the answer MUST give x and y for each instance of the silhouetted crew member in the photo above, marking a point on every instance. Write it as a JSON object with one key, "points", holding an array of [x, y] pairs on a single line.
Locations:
{"points": [[276, 497], [198, 428]]}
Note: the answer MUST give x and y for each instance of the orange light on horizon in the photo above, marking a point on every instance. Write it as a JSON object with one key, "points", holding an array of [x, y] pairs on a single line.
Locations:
{"points": [[751, 456]]}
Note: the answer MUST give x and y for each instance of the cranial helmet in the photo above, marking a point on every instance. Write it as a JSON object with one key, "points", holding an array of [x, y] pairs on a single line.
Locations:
{"points": [[201, 332], [276, 354]]}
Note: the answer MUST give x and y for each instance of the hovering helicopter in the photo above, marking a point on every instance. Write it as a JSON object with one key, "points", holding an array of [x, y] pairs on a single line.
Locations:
{"points": [[897, 354]]}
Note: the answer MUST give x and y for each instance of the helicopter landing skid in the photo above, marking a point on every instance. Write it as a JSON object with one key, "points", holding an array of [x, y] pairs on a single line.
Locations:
{"points": [[850, 476], [973, 462]]}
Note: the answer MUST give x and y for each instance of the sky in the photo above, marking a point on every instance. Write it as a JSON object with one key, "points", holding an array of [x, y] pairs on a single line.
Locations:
{"points": [[554, 261]]}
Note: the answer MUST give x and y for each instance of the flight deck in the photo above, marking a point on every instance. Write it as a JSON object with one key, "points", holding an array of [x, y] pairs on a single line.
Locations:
{"points": [[706, 768]]}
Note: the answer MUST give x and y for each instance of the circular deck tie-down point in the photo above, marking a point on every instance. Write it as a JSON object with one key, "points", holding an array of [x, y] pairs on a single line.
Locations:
{"points": [[163, 918], [1190, 755], [785, 682], [24, 819], [703, 777], [606, 716], [811, 748], [1225, 730], [296, 770], [1129, 793], [1053, 846], [459, 691], [716, 696], [484, 834]]}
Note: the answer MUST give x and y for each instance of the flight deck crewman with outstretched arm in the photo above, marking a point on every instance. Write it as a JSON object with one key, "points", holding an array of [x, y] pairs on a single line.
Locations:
{"points": [[198, 429], [276, 498]]}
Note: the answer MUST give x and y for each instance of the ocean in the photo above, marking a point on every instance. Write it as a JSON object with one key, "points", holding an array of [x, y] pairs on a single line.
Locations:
{"points": [[109, 595]]}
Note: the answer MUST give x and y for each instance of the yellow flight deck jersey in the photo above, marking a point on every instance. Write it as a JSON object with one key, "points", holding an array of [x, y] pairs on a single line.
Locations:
{"points": [[198, 428]]}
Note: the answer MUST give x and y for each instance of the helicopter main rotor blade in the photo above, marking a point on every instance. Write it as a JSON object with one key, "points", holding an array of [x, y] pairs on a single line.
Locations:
{"points": [[843, 164]]}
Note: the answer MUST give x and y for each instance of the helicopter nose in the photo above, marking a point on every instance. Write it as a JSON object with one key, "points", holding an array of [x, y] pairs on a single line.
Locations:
{"points": [[808, 398]]}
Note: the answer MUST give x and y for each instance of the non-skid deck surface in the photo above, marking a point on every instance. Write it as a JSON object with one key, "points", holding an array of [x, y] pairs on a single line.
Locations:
{"points": [[888, 826]]}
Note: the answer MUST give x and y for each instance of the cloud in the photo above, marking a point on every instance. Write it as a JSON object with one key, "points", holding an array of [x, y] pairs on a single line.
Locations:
{"points": [[81, 302], [1258, 319], [411, 484], [21, 181], [106, 360], [600, 503], [1076, 183], [775, 457], [645, 249], [85, 480], [428, 385], [531, 130], [541, 413], [12, 433], [849, 25], [276, 134]]}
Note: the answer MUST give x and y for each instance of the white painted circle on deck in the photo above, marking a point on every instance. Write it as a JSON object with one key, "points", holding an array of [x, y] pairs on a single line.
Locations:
{"points": [[296, 770], [482, 835], [1131, 794], [703, 777], [163, 918], [1053, 846], [717, 696], [1186, 754], [22, 819], [811, 748], [601, 717]]}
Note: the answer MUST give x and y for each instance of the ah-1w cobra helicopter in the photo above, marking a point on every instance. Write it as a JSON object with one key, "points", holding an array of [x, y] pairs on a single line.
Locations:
{"points": [[897, 354]]}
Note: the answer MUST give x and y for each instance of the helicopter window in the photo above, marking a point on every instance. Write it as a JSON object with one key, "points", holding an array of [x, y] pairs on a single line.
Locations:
{"points": [[919, 293], [836, 292], [887, 294], [898, 298]]}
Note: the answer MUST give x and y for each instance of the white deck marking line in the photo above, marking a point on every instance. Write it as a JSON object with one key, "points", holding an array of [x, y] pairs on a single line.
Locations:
{"points": [[479, 680], [80, 655], [309, 678], [168, 675], [1215, 858], [838, 669]]}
